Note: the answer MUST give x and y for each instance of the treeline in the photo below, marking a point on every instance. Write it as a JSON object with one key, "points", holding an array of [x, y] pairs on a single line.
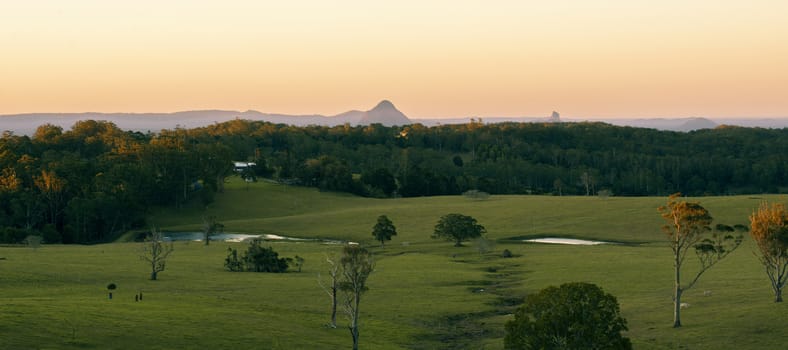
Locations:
{"points": [[91, 182], [95, 181], [517, 158]]}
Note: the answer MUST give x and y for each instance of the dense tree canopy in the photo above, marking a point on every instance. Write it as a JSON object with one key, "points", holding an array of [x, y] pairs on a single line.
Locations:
{"points": [[572, 316], [70, 183]]}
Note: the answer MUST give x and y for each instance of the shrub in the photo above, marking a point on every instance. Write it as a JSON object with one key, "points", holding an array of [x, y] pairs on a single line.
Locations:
{"points": [[231, 262], [256, 259]]}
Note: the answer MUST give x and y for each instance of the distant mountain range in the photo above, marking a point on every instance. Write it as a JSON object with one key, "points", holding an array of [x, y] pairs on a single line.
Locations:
{"points": [[669, 124], [384, 113]]}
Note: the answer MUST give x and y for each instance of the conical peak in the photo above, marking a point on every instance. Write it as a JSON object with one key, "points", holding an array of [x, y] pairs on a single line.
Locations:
{"points": [[385, 104], [385, 113]]}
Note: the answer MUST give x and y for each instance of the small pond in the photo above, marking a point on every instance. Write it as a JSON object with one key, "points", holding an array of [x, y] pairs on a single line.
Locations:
{"points": [[242, 237], [572, 241], [227, 237]]}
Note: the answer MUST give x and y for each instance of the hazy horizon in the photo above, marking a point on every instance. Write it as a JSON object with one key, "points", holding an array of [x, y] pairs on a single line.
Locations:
{"points": [[599, 59], [317, 113]]}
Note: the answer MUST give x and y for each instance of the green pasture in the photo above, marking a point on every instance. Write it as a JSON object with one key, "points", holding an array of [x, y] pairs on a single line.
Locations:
{"points": [[424, 294], [264, 207]]}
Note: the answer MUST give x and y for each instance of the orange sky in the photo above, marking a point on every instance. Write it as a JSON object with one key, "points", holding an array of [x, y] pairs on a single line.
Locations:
{"points": [[604, 58]]}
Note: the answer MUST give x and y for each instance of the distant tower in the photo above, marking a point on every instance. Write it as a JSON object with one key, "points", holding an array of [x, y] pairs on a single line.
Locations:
{"points": [[555, 117]]}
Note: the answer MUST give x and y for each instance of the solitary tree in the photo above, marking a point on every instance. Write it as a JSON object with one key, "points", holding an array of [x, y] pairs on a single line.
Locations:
{"points": [[357, 265], [111, 287], [769, 229], [209, 227], [572, 316], [687, 226], [384, 229], [155, 252], [458, 228]]}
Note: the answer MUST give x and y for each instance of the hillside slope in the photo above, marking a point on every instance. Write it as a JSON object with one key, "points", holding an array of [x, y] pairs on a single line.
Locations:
{"points": [[302, 212]]}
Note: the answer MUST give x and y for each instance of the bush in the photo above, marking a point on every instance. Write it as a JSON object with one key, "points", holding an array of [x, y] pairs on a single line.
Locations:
{"points": [[231, 262], [256, 259], [572, 316]]}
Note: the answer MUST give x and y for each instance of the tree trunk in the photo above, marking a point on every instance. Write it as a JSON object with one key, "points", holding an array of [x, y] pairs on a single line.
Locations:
{"points": [[354, 322], [677, 307], [220, 184], [677, 290], [354, 334], [778, 295], [334, 303], [458, 244], [153, 275]]}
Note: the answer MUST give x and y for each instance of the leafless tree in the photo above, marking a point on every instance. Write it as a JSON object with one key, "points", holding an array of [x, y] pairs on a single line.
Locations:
{"points": [[333, 287], [155, 252], [209, 227]]}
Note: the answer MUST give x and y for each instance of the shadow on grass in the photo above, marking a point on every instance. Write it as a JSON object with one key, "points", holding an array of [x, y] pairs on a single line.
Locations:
{"points": [[469, 330], [458, 331]]}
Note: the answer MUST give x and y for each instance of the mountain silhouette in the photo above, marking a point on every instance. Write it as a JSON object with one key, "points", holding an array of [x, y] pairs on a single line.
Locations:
{"points": [[384, 113], [25, 124]]}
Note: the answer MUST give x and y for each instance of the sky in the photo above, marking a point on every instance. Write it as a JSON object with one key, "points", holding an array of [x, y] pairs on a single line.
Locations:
{"points": [[432, 59]]}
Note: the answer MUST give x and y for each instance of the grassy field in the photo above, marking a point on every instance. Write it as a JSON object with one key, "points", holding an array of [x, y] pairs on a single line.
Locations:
{"points": [[424, 294]]}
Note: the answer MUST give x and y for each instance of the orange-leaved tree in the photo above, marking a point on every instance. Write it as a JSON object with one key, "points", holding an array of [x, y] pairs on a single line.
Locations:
{"points": [[688, 227], [769, 230]]}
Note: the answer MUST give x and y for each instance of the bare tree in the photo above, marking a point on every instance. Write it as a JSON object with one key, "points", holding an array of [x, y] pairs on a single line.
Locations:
{"points": [[209, 227], [769, 229], [357, 265], [586, 180], [155, 252], [333, 288], [687, 224]]}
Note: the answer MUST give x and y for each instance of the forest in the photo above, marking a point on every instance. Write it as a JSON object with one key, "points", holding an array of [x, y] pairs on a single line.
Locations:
{"points": [[95, 181]]}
